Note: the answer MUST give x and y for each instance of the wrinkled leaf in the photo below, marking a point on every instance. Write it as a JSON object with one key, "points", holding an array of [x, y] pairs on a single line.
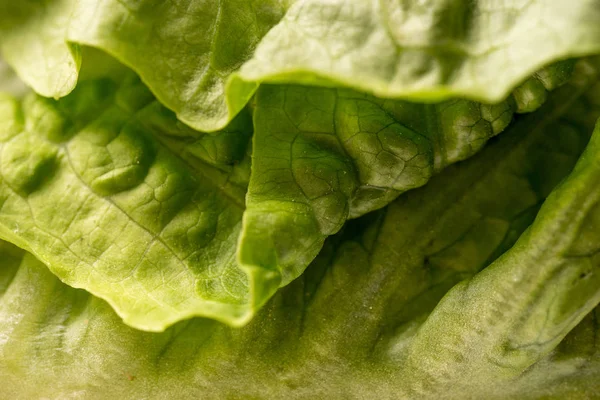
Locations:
{"points": [[363, 308], [425, 50], [199, 59], [321, 156], [183, 50], [143, 214]]}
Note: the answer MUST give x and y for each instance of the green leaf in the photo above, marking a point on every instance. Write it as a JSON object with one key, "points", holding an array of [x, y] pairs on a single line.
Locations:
{"points": [[322, 156], [428, 50], [205, 59], [184, 50], [378, 280], [499, 323], [118, 197], [33, 42]]}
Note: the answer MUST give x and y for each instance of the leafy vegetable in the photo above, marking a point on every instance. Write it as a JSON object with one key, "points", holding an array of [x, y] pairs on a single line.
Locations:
{"points": [[322, 156], [130, 221], [189, 52], [299, 199], [379, 280], [426, 50], [184, 50], [147, 213]]}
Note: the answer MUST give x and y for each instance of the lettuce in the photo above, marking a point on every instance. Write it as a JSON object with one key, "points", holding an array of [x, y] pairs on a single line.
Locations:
{"points": [[299, 199]]}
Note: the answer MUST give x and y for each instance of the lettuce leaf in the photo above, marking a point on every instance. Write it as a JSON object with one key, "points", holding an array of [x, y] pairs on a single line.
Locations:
{"points": [[204, 59], [140, 214], [322, 156], [299, 199], [428, 50], [184, 51], [146, 213], [366, 317]]}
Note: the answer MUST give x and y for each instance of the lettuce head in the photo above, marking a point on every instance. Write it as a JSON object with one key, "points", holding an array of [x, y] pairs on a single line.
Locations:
{"points": [[299, 199]]}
